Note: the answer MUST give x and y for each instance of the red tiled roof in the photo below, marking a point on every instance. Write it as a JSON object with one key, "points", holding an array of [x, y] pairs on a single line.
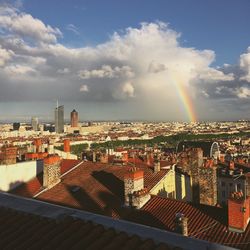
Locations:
{"points": [[66, 165], [204, 222], [30, 188], [101, 188], [34, 186], [19, 230]]}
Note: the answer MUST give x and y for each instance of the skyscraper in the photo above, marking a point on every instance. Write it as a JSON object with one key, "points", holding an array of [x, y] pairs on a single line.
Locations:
{"points": [[74, 119], [59, 119], [34, 123]]}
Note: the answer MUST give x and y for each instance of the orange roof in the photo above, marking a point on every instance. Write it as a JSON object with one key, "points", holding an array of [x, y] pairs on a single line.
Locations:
{"points": [[101, 188], [20, 230], [34, 186], [204, 222]]}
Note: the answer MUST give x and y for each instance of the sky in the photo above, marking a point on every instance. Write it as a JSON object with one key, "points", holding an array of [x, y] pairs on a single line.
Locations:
{"points": [[162, 60]]}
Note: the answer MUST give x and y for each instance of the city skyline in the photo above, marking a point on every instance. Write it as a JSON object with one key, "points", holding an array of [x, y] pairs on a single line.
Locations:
{"points": [[157, 65]]}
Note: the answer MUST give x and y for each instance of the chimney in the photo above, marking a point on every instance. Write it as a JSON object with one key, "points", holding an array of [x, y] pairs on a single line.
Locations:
{"points": [[104, 158], [125, 157], [148, 159], [37, 145], [208, 184], [181, 224], [222, 158], [51, 149], [51, 171], [66, 146], [231, 165], [238, 212], [9, 154], [157, 166], [94, 156], [133, 181]]}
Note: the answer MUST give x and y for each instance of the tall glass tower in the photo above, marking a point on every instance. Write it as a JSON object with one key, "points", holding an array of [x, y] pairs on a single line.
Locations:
{"points": [[59, 119]]}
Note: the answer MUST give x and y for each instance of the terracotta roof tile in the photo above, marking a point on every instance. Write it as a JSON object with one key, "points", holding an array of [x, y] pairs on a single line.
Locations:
{"points": [[204, 222], [19, 230]]}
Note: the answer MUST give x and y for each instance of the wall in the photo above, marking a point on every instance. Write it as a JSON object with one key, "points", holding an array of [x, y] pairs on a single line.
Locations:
{"points": [[227, 185], [13, 175], [183, 187], [65, 155], [208, 185], [166, 186]]}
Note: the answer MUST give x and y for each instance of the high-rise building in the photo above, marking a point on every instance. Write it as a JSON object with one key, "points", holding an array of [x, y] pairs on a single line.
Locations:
{"points": [[34, 123], [59, 119], [74, 119], [16, 125]]}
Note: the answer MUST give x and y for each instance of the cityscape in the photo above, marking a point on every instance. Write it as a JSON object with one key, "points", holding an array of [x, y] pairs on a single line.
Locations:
{"points": [[117, 133]]}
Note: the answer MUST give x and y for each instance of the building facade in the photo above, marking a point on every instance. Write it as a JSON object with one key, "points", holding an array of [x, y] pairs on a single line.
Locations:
{"points": [[74, 118], [34, 123], [59, 119]]}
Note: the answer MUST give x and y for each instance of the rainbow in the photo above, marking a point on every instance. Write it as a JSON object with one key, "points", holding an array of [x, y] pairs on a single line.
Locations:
{"points": [[185, 98]]}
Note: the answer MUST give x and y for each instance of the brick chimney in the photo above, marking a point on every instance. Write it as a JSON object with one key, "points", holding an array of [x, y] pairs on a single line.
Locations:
{"points": [[238, 212], [51, 171], [134, 192], [157, 166], [9, 154], [66, 146], [37, 145], [208, 183], [181, 224]]}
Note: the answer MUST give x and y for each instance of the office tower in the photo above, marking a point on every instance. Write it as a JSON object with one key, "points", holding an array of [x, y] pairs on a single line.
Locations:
{"points": [[16, 125], [74, 118], [34, 123], [59, 119]]}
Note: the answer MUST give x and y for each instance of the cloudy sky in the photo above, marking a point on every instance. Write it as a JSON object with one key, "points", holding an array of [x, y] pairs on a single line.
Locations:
{"points": [[149, 60]]}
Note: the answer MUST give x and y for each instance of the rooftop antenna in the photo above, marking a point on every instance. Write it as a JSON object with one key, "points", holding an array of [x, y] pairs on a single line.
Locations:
{"points": [[57, 103]]}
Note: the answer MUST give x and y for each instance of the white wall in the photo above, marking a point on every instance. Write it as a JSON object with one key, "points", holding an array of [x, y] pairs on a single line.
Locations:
{"points": [[13, 175], [65, 155]]}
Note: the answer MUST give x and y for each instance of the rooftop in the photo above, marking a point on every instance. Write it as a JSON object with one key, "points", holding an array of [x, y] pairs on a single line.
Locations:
{"points": [[65, 228]]}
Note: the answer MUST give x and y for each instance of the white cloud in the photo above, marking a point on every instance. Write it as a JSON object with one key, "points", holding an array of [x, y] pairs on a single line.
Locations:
{"points": [[63, 71], [243, 92], [15, 70], [245, 65], [156, 67], [106, 71], [84, 88], [213, 75], [124, 91], [73, 28], [5, 55], [25, 25]]}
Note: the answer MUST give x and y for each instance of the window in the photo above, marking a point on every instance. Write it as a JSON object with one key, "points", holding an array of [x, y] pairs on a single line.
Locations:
{"points": [[230, 184], [223, 194], [238, 188], [223, 184]]}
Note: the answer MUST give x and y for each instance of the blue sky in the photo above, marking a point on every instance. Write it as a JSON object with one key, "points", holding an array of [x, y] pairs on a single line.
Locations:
{"points": [[222, 26], [125, 59]]}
